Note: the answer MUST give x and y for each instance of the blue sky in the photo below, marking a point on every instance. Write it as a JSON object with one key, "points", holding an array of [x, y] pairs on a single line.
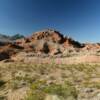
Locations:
{"points": [[79, 19]]}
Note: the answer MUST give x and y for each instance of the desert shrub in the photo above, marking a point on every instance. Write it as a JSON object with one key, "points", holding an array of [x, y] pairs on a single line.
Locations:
{"points": [[14, 84], [36, 95], [92, 84], [1, 83], [2, 98], [46, 48], [40, 89]]}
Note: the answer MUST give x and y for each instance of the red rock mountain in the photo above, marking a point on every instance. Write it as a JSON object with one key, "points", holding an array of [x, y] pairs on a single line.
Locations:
{"points": [[43, 42], [47, 41]]}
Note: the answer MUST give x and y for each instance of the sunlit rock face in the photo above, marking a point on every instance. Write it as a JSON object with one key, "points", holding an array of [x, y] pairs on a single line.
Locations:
{"points": [[47, 41]]}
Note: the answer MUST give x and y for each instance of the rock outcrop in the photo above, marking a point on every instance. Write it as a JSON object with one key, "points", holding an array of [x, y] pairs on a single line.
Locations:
{"points": [[7, 50], [47, 41]]}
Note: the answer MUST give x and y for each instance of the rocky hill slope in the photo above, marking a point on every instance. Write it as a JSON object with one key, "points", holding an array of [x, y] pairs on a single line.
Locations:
{"points": [[46, 42], [7, 38]]}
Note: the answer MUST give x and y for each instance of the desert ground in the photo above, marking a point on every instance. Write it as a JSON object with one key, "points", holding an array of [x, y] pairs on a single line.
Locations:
{"points": [[29, 81]]}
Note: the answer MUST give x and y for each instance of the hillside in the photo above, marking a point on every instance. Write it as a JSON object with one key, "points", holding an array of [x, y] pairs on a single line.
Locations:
{"points": [[49, 66], [4, 38], [45, 43], [7, 38]]}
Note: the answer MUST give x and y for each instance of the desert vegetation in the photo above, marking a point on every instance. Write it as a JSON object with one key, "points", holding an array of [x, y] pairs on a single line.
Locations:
{"points": [[23, 81]]}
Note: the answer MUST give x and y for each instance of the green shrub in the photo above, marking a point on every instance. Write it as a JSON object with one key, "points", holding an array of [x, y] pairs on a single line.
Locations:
{"points": [[40, 89]]}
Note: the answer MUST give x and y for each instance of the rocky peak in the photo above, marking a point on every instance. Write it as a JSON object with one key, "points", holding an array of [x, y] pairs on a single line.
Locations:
{"points": [[48, 35], [47, 41]]}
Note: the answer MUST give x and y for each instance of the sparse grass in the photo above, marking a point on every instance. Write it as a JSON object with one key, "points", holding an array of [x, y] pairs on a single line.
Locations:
{"points": [[90, 84], [40, 89], [62, 80]]}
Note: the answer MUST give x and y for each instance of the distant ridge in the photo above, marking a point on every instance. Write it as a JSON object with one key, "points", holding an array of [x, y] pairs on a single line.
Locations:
{"points": [[6, 38]]}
